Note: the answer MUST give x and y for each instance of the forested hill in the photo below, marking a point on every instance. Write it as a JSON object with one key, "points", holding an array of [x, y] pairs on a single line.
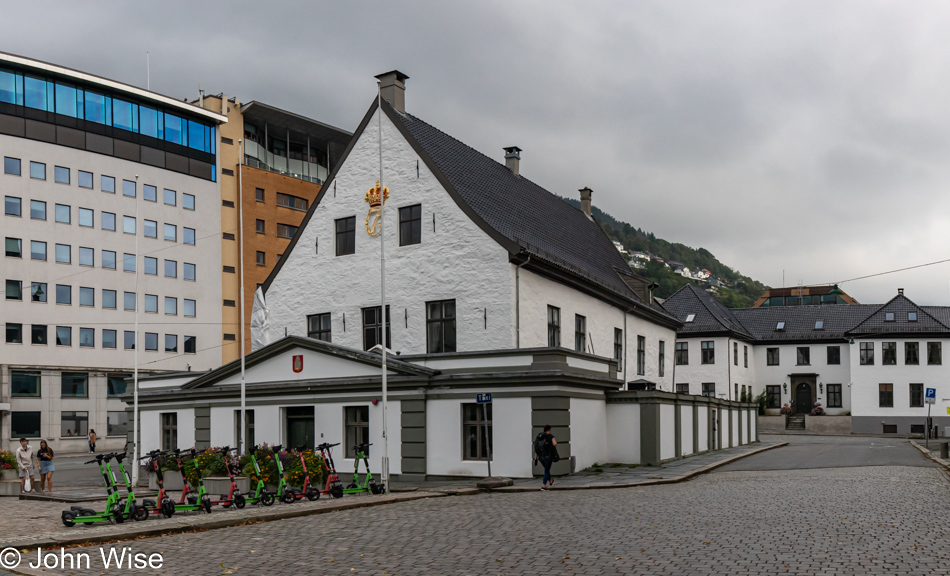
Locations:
{"points": [[737, 291]]}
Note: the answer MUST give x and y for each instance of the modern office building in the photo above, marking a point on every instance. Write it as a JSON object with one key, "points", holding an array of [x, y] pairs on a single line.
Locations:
{"points": [[286, 158], [111, 213]]}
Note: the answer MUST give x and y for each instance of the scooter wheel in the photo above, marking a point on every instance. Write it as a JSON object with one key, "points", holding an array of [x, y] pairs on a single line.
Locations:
{"points": [[287, 497], [168, 508], [118, 517], [240, 501], [350, 486], [140, 513], [85, 512], [267, 499], [206, 502], [336, 491], [313, 494], [68, 519]]}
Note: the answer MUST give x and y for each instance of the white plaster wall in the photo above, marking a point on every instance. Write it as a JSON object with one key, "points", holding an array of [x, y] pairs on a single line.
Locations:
{"points": [[330, 426], [150, 432], [754, 435], [267, 428], [538, 292], [623, 433], [589, 432], [743, 429], [696, 374], [315, 365], [511, 439], [865, 399], [458, 260], [703, 429], [827, 374], [667, 431], [686, 430], [734, 421], [223, 426], [205, 254]]}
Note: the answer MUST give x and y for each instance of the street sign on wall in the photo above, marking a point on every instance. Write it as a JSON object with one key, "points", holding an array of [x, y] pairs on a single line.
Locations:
{"points": [[483, 398], [931, 396]]}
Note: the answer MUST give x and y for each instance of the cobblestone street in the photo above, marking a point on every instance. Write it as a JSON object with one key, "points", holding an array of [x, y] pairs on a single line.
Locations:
{"points": [[857, 520]]}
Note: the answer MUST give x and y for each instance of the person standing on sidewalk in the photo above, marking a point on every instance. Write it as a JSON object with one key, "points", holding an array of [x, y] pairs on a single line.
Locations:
{"points": [[24, 461], [545, 451], [91, 436], [45, 457]]}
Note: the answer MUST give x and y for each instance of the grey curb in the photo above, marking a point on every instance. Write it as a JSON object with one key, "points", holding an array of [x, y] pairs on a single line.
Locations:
{"points": [[169, 526], [928, 454], [673, 480]]}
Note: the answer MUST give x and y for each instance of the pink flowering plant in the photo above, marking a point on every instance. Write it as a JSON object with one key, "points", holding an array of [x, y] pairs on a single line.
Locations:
{"points": [[7, 462]]}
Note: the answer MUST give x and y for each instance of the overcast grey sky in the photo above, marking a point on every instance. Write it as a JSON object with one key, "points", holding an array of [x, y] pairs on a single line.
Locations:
{"points": [[806, 136]]}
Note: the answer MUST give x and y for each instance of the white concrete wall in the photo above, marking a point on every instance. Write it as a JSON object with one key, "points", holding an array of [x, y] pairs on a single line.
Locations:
{"points": [[511, 439], [623, 433], [734, 421], [686, 430], [703, 430], [315, 365], [589, 432], [667, 431], [456, 261], [788, 364], [537, 293]]}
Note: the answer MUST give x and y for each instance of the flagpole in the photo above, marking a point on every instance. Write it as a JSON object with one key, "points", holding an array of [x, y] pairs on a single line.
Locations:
{"points": [[243, 425], [135, 351], [382, 280]]}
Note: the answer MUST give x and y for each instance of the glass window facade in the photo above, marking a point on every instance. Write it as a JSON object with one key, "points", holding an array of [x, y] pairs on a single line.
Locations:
{"points": [[77, 102]]}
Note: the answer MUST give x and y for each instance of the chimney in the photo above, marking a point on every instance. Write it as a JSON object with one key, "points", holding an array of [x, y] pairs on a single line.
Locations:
{"points": [[900, 291], [513, 159], [392, 87], [585, 200]]}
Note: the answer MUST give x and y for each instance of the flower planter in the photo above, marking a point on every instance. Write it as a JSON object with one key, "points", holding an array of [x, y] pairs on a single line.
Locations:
{"points": [[222, 484], [171, 479], [10, 486]]}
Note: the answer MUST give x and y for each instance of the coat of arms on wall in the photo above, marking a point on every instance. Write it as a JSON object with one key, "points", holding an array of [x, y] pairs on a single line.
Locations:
{"points": [[375, 198], [298, 363]]}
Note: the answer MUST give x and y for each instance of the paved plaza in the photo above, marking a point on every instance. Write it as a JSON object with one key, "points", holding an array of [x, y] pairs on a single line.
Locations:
{"points": [[886, 515]]}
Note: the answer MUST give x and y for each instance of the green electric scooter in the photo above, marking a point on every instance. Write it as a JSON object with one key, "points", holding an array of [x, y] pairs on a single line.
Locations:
{"points": [[116, 511], [132, 509], [200, 498], [189, 502], [366, 484], [260, 495], [282, 485]]}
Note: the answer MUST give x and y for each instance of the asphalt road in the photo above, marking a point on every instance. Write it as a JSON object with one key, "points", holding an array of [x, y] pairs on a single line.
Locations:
{"points": [[806, 452]]}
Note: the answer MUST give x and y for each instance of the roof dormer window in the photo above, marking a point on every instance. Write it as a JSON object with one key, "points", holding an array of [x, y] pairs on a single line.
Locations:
{"points": [[690, 317], [780, 326], [819, 324], [911, 316], [888, 316]]}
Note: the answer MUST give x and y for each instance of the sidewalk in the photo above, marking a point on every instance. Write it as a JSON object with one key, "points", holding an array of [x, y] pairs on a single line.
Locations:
{"points": [[622, 476]]}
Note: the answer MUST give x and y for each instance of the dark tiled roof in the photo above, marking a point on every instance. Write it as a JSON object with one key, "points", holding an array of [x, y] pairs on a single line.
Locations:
{"points": [[711, 315], [542, 224], [800, 321], [899, 306]]}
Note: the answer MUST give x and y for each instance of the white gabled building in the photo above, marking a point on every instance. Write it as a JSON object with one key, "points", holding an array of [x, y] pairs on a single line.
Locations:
{"points": [[871, 362], [493, 284]]}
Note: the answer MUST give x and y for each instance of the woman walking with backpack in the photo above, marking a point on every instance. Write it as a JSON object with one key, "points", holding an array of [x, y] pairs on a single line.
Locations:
{"points": [[545, 451]]}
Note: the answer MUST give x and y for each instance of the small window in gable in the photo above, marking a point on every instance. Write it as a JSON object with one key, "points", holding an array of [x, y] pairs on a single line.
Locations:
{"points": [[888, 316], [690, 317], [819, 324], [911, 316], [780, 326]]}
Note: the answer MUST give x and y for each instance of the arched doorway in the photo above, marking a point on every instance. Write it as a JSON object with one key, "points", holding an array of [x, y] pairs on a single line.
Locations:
{"points": [[803, 402]]}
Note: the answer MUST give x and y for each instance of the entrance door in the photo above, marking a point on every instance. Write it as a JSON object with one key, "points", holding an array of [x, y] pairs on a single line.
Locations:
{"points": [[300, 427], [803, 402]]}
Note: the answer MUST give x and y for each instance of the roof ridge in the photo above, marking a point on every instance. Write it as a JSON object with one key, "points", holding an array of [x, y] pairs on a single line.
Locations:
{"points": [[899, 295], [702, 295]]}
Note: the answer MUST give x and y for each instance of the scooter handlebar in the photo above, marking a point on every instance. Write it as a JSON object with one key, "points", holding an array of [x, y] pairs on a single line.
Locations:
{"points": [[326, 445]]}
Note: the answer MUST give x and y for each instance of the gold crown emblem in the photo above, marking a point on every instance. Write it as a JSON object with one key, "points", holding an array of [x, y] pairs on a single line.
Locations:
{"points": [[375, 197]]}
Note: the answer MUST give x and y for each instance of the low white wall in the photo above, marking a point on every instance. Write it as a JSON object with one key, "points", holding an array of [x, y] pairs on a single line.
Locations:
{"points": [[735, 427], [703, 429], [667, 431], [686, 430], [588, 432], [623, 433]]}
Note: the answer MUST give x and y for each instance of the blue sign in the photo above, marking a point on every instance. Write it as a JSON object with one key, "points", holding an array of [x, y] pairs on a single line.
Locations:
{"points": [[931, 392], [483, 398]]}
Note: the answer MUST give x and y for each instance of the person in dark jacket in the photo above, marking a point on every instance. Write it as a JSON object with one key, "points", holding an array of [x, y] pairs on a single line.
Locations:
{"points": [[545, 449]]}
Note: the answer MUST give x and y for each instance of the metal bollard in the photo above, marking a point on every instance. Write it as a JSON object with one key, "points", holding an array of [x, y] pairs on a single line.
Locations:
{"points": [[945, 450]]}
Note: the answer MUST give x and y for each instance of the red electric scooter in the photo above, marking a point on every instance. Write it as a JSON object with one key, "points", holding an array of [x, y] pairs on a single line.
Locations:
{"points": [[234, 495], [333, 487]]}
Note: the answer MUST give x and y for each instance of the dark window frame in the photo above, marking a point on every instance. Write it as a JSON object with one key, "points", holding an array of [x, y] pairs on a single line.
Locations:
{"points": [[372, 331], [345, 231], [773, 394], [866, 353], [410, 225], [554, 326], [641, 355], [319, 327], [681, 354], [708, 352], [888, 353], [474, 423], [912, 353], [885, 395], [834, 396], [580, 333], [356, 422], [916, 399], [441, 330]]}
